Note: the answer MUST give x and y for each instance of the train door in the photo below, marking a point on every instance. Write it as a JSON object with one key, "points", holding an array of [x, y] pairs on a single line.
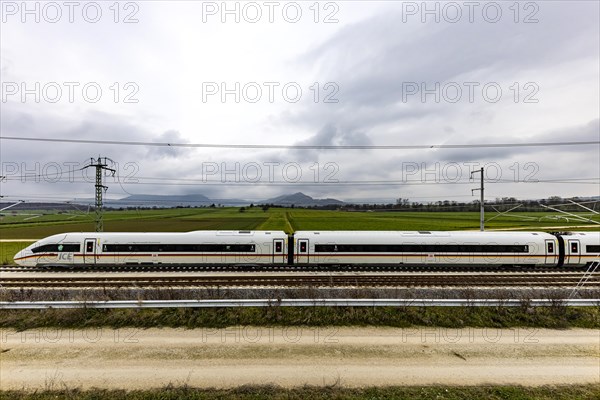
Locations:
{"points": [[89, 251], [278, 251], [302, 251], [573, 252], [551, 253]]}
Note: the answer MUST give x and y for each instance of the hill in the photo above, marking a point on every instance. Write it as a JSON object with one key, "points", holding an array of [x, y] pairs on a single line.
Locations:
{"points": [[302, 200]]}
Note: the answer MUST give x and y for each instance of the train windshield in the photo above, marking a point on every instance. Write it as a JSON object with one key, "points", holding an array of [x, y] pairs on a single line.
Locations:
{"points": [[56, 248]]}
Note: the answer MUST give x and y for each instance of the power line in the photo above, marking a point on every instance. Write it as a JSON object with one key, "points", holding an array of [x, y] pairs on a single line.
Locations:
{"points": [[305, 147], [370, 181], [50, 175], [157, 180], [246, 182]]}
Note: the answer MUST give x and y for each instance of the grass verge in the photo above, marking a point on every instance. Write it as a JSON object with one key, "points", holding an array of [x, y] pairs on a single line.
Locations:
{"points": [[557, 317], [317, 393], [9, 249]]}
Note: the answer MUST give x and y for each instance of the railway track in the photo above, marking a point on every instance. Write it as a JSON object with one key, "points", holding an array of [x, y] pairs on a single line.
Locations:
{"points": [[288, 268], [489, 279]]}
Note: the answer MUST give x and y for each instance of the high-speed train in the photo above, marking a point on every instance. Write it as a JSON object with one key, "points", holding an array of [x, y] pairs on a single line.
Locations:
{"points": [[344, 248]]}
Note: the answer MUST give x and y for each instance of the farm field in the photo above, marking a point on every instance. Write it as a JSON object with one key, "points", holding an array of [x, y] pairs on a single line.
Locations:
{"points": [[24, 227]]}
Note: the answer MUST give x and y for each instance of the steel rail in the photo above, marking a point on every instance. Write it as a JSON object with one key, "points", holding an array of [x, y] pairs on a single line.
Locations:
{"points": [[113, 304]]}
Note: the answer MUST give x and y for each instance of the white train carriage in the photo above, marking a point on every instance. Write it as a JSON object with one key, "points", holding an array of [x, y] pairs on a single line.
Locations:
{"points": [[580, 248], [320, 247], [132, 248], [426, 247]]}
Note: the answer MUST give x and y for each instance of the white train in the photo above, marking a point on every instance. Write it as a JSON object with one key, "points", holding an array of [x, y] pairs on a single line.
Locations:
{"points": [[314, 247], [198, 247]]}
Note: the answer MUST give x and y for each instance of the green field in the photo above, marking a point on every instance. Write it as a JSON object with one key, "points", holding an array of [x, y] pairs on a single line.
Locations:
{"points": [[23, 226], [168, 220], [183, 220]]}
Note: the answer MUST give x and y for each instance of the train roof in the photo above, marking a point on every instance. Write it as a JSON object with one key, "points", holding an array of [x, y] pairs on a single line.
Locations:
{"points": [[581, 234], [165, 235], [423, 234], [202, 232]]}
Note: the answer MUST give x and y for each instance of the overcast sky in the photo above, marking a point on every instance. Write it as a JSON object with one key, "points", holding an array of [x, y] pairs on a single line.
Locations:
{"points": [[301, 73]]}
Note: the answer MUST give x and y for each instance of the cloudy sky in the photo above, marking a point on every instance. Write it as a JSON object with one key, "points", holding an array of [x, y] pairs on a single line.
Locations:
{"points": [[308, 74]]}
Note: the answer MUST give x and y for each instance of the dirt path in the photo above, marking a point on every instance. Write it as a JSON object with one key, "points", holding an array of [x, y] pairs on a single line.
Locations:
{"points": [[131, 358]]}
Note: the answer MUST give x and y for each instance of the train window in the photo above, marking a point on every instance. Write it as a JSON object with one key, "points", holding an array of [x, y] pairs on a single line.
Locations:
{"points": [[574, 247], [550, 247], [593, 249], [89, 246], [420, 248], [302, 247], [179, 248], [278, 247]]}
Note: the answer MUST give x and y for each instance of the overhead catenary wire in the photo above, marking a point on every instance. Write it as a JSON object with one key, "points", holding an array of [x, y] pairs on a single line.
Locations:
{"points": [[339, 184], [204, 181], [307, 146]]}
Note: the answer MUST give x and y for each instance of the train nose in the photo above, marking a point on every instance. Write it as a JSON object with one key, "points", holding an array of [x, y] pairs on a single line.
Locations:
{"points": [[21, 258]]}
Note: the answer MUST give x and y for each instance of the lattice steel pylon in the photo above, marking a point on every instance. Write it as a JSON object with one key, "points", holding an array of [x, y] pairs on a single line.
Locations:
{"points": [[100, 164]]}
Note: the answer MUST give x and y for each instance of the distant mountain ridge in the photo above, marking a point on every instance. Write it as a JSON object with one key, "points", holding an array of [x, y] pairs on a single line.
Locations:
{"points": [[158, 200], [191, 200], [302, 200], [158, 197]]}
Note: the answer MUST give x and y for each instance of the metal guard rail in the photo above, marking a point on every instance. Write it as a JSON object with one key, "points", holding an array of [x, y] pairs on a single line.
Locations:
{"points": [[36, 305]]}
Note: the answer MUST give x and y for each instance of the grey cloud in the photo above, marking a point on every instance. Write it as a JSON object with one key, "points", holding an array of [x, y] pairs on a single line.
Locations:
{"points": [[373, 59], [580, 133], [385, 50], [29, 158], [332, 135], [329, 134], [171, 136]]}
